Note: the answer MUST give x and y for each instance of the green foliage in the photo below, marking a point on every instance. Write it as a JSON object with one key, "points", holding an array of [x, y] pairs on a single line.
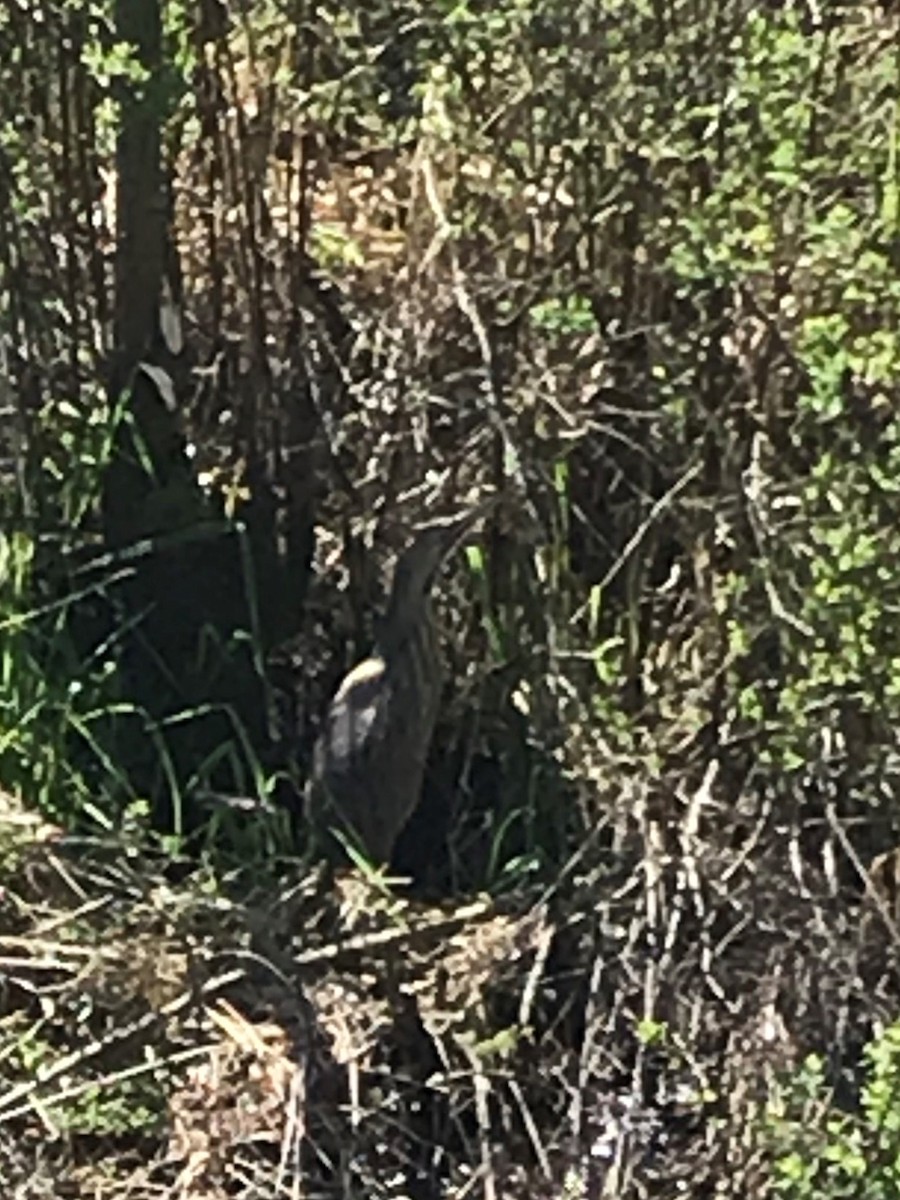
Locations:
{"points": [[823, 1152], [775, 208], [117, 61], [570, 315], [50, 700], [134, 1103]]}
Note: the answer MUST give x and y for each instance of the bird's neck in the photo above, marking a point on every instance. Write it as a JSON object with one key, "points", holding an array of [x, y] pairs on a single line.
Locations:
{"points": [[405, 620]]}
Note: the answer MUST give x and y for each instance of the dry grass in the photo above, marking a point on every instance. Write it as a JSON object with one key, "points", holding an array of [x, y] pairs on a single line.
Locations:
{"points": [[211, 1037]]}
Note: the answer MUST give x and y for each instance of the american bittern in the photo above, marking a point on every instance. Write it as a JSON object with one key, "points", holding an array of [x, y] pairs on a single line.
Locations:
{"points": [[369, 761]]}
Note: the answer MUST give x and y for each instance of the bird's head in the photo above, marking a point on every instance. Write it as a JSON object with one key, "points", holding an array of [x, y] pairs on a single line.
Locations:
{"points": [[418, 565]]}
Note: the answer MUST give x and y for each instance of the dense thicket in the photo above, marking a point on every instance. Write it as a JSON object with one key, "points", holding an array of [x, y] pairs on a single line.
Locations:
{"points": [[633, 265]]}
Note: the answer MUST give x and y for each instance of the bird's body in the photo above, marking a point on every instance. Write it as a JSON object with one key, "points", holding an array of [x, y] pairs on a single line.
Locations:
{"points": [[370, 758]]}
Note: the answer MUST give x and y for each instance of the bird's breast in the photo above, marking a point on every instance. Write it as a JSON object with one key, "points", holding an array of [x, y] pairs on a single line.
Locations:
{"points": [[355, 709]]}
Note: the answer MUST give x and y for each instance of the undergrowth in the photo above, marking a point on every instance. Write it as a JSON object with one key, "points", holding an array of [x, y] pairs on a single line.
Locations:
{"points": [[632, 268]]}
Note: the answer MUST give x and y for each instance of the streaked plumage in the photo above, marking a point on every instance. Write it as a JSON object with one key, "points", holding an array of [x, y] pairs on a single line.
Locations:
{"points": [[370, 758]]}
